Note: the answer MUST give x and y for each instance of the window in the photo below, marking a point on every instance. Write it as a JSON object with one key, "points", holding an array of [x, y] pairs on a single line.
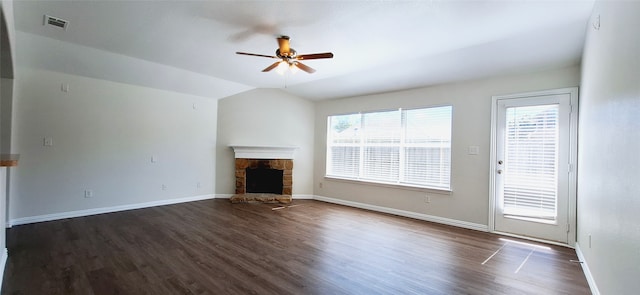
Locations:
{"points": [[405, 147]]}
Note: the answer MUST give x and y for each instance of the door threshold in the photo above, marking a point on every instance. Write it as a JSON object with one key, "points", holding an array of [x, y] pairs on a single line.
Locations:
{"points": [[556, 243]]}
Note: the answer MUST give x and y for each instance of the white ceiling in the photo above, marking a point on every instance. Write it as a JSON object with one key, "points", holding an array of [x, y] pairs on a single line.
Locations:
{"points": [[379, 46]]}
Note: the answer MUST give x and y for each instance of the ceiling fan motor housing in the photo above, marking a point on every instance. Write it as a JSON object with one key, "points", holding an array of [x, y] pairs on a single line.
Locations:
{"points": [[286, 55]]}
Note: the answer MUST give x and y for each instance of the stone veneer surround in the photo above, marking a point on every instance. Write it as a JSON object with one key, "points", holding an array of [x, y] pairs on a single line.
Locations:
{"points": [[280, 164]]}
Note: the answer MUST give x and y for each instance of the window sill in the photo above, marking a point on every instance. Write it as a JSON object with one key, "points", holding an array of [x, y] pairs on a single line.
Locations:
{"points": [[392, 185]]}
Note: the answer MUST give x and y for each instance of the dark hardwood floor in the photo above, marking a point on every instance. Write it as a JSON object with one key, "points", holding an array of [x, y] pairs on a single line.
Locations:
{"points": [[214, 247]]}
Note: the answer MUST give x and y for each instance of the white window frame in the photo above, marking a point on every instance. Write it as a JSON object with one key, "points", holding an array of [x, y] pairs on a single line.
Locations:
{"points": [[402, 145]]}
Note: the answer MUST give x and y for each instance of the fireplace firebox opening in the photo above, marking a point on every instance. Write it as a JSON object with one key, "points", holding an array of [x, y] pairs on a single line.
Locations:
{"points": [[261, 180]]}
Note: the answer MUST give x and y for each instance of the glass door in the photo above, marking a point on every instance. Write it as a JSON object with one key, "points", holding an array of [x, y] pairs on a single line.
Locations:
{"points": [[533, 166]]}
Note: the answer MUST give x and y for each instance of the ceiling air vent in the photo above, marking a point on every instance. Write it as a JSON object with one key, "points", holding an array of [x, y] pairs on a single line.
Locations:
{"points": [[56, 22]]}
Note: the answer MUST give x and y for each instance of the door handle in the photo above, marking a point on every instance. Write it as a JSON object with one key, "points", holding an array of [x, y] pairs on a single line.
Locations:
{"points": [[499, 171]]}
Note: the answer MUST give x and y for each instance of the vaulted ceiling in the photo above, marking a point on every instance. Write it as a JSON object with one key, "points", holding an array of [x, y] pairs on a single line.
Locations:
{"points": [[379, 46]]}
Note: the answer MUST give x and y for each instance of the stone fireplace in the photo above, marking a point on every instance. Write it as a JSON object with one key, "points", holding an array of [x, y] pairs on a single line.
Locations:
{"points": [[263, 174]]}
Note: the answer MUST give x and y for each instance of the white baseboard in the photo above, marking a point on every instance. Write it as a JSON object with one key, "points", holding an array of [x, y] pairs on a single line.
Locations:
{"points": [[303, 197], [87, 212], [414, 215], [79, 213], [587, 272], [3, 264]]}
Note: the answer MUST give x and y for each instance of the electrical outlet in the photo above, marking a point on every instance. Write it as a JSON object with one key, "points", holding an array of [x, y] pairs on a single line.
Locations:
{"points": [[320, 185], [88, 193], [164, 187], [473, 150], [427, 199]]}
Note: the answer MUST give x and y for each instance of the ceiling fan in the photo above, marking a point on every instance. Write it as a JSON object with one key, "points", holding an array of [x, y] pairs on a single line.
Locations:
{"points": [[289, 57]]}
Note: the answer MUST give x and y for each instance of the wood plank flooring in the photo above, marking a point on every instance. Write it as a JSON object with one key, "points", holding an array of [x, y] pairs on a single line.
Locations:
{"points": [[214, 247]]}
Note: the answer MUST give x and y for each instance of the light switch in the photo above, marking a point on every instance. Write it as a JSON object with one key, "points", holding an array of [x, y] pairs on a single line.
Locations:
{"points": [[64, 87], [154, 159], [47, 141], [473, 150]]}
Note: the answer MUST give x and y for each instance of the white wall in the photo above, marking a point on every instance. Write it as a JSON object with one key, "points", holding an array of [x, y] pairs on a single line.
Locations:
{"points": [[6, 114], [471, 127], [39, 52], [104, 135], [3, 207], [6, 98], [265, 117], [8, 54], [609, 146]]}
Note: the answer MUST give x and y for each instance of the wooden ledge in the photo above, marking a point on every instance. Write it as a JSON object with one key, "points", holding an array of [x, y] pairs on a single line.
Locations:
{"points": [[9, 160]]}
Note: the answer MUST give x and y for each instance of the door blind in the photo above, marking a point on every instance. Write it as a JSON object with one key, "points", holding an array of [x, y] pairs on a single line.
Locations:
{"points": [[531, 161]]}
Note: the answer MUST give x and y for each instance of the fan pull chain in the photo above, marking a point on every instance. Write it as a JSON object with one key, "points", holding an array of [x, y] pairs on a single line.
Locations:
{"points": [[286, 75]]}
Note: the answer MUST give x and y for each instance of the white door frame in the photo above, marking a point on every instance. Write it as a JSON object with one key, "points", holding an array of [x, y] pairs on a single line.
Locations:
{"points": [[573, 158]]}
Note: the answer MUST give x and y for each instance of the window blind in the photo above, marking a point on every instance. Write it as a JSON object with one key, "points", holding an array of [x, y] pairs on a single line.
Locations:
{"points": [[381, 153], [344, 138], [428, 146], [531, 161], [411, 147]]}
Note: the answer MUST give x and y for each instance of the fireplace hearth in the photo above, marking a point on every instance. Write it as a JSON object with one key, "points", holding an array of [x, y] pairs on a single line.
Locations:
{"points": [[263, 174]]}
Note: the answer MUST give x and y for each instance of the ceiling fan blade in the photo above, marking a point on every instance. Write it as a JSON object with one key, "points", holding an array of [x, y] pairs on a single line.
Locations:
{"points": [[305, 67], [283, 44], [272, 66], [315, 56], [254, 54]]}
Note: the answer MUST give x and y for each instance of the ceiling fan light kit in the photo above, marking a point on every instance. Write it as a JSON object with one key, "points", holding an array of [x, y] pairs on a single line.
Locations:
{"points": [[289, 57]]}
